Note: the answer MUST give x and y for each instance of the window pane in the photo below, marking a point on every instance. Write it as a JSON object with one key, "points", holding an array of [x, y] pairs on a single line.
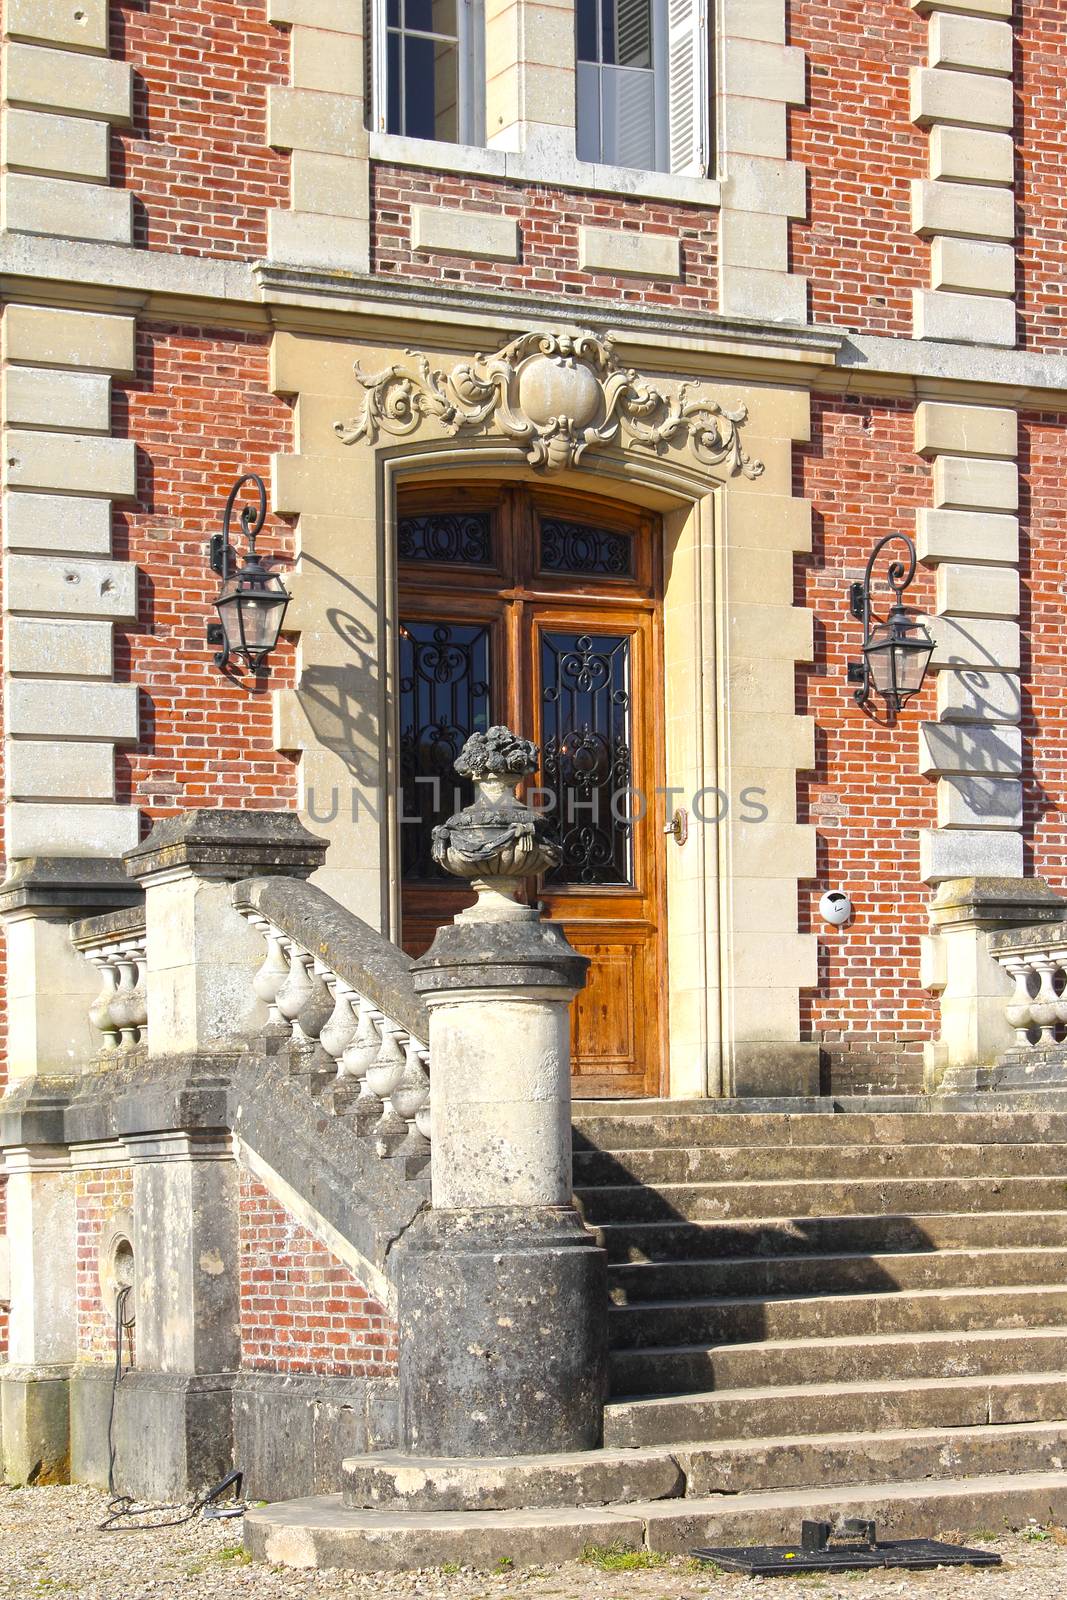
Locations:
{"points": [[457, 537], [629, 117], [431, 73], [585, 18], [393, 99], [430, 16], [392, 13], [587, 91], [580, 548], [627, 32]]}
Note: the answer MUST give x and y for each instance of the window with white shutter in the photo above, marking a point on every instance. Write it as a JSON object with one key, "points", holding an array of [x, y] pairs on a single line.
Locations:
{"points": [[642, 84]]}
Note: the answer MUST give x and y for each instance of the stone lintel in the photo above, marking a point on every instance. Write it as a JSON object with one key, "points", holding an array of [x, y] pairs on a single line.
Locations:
{"points": [[228, 844]]}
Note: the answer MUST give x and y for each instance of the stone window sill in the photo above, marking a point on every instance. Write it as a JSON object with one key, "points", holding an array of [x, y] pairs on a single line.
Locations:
{"points": [[521, 166]]}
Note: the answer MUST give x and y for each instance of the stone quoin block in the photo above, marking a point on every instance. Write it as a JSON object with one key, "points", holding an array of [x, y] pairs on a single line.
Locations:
{"points": [[768, 296], [965, 430], [972, 266], [953, 747], [327, 60], [43, 141], [755, 184], [969, 853], [69, 830], [76, 24], [978, 591], [971, 155], [72, 587], [749, 239], [66, 209], [976, 8], [960, 319], [335, 15], [56, 649], [59, 770], [974, 642], [979, 802], [298, 238], [58, 80], [70, 524], [35, 397], [765, 70], [305, 119], [753, 127], [968, 484], [962, 208], [43, 336], [971, 44], [972, 536], [323, 184], [972, 695], [437, 230], [75, 462], [753, 19], [642, 255], [46, 710], [969, 98]]}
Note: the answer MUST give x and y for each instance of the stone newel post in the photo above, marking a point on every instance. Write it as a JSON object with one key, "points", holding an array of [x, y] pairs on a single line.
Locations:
{"points": [[502, 1293]]}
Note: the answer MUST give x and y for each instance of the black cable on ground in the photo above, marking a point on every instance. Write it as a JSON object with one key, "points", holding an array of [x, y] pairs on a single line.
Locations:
{"points": [[122, 1507]]}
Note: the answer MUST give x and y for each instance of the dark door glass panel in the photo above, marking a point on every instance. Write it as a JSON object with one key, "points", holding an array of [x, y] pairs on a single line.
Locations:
{"points": [[577, 547], [586, 760], [444, 698], [460, 538]]}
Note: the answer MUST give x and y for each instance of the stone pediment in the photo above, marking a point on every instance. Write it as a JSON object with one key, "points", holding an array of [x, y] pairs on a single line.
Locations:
{"points": [[556, 395]]}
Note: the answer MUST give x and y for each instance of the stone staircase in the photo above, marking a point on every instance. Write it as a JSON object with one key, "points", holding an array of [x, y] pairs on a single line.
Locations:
{"points": [[861, 1312]]}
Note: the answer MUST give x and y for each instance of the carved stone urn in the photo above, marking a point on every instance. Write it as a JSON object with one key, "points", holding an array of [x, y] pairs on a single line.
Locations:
{"points": [[498, 840]]}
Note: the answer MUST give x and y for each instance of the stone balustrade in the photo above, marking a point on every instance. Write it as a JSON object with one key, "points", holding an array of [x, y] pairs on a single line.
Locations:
{"points": [[339, 995], [115, 945], [1036, 960]]}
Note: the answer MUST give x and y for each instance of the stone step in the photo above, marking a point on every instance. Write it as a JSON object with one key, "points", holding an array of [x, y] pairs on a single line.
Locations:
{"points": [[824, 1162], [391, 1482], [803, 1197], [769, 1413], [320, 1531], [805, 1236], [741, 1321], [609, 1128], [681, 1369], [633, 1283]]}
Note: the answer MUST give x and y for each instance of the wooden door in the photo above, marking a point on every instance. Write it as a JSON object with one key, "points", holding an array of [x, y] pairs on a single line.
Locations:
{"points": [[542, 610]]}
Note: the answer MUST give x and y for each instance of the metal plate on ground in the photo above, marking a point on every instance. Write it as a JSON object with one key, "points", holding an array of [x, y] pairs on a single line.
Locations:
{"points": [[918, 1555]]}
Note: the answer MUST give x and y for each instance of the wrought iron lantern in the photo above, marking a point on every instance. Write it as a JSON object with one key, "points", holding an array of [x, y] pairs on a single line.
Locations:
{"points": [[251, 601], [896, 652]]}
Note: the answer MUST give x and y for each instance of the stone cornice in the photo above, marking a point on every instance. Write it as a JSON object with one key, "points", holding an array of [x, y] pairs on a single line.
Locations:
{"points": [[164, 286]]}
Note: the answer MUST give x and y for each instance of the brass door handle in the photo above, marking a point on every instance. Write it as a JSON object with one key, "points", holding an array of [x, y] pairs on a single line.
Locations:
{"points": [[679, 826]]}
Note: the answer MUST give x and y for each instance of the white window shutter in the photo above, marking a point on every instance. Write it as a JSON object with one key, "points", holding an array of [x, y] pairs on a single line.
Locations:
{"points": [[687, 86], [375, 14]]}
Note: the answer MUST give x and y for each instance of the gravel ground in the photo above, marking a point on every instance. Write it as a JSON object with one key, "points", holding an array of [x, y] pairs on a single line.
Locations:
{"points": [[50, 1545]]}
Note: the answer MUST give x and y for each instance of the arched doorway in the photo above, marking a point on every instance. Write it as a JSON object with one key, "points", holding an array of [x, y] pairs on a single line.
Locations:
{"points": [[542, 609]]}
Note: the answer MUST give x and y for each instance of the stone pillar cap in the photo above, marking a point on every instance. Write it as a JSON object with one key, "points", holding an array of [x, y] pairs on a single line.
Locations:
{"points": [[499, 955], [72, 886], [229, 844], [1005, 902]]}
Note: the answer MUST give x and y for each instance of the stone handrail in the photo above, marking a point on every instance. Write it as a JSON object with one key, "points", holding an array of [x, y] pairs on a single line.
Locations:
{"points": [[1036, 959], [342, 996], [115, 944]]}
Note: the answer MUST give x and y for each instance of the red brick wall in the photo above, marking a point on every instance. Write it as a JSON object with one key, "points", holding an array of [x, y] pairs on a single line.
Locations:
{"points": [[865, 797], [548, 229], [1040, 63], [861, 151], [1043, 533], [98, 1194], [302, 1310], [201, 414], [196, 155]]}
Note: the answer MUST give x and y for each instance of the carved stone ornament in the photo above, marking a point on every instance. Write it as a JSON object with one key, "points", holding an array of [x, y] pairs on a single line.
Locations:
{"points": [[555, 394], [498, 841]]}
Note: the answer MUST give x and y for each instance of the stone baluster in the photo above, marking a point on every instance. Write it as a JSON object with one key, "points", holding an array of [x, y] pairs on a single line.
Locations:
{"points": [[1059, 956], [383, 1076], [100, 1010], [1044, 1006], [340, 1026], [273, 973], [410, 1096], [293, 993], [1018, 1008], [128, 1005]]}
